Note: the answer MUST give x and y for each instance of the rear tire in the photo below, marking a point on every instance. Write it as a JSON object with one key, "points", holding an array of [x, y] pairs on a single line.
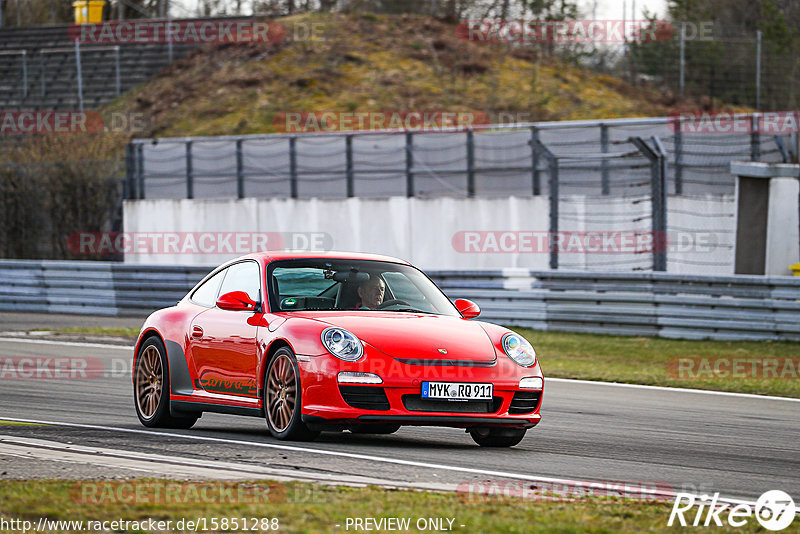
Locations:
{"points": [[378, 428], [151, 388], [497, 437], [283, 398]]}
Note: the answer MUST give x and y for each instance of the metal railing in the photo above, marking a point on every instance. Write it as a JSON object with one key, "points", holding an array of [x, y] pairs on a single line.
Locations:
{"points": [[650, 304], [24, 64], [414, 163], [635, 162], [79, 66]]}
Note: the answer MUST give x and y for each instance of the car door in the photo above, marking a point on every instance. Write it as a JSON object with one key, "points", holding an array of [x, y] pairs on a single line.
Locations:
{"points": [[223, 343]]}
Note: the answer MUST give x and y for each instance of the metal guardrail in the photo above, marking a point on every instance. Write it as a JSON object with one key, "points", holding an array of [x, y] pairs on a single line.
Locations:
{"points": [[96, 288], [644, 304], [623, 303]]}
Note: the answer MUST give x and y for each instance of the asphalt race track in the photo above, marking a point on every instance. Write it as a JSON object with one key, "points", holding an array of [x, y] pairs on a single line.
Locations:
{"points": [[739, 446]]}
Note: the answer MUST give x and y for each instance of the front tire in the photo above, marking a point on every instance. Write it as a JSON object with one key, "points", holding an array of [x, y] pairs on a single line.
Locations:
{"points": [[497, 437], [283, 398], [151, 388]]}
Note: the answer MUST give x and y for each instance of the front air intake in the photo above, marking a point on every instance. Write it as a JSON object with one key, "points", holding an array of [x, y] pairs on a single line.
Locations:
{"points": [[525, 402], [365, 397]]}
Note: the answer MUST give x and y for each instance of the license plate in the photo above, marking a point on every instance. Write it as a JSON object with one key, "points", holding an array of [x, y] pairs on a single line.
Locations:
{"points": [[456, 391]]}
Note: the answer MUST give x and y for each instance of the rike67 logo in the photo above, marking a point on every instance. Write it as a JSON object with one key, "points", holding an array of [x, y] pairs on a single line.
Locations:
{"points": [[774, 510]]}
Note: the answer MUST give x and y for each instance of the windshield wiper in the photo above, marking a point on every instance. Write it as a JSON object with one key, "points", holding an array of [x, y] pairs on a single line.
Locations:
{"points": [[412, 310]]}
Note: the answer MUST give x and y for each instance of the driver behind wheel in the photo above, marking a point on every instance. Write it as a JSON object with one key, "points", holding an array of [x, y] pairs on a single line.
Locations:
{"points": [[371, 292]]}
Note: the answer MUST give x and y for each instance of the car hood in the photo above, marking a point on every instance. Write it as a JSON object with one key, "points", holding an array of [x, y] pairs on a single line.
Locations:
{"points": [[417, 336]]}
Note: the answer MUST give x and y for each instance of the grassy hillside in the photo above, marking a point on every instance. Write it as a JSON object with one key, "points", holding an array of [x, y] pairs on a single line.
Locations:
{"points": [[373, 63]]}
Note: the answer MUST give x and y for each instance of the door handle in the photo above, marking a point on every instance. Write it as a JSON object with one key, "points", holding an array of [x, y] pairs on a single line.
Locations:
{"points": [[197, 332]]}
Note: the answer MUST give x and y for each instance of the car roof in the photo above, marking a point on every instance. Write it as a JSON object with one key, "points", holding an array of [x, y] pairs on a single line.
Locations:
{"points": [[270, 256]]}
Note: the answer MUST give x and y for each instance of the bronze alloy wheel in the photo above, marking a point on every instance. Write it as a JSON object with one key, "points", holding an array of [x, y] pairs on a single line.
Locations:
{"points": [[149, 380], [281, 392]]}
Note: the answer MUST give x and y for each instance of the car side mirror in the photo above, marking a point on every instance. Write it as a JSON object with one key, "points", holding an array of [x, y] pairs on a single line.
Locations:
{"points": [[467, 308], [236, 301]]}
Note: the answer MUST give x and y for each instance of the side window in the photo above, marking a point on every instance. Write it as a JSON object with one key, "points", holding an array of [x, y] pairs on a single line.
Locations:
{"points": [[243, 276], [206, 294]]}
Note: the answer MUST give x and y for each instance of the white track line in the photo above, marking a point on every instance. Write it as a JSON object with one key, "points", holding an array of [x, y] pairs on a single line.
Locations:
{"points": [[666, 388], [182, 466], [564, 380], [356, 456]]}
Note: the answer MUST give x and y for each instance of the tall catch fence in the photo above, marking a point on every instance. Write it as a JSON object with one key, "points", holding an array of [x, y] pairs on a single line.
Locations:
{"points": [[499, 160], [639, 177]]}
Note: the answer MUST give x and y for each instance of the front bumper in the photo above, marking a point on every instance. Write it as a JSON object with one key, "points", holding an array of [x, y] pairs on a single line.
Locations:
{"points": [[324, 403]]}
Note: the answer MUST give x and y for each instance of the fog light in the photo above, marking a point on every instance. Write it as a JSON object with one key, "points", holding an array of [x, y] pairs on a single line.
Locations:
{"points": [[356, 377], [531, 382]]}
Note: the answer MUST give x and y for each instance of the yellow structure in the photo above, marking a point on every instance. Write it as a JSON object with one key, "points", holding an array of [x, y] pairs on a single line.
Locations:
{"points": [[795, 269], [88, 11]]}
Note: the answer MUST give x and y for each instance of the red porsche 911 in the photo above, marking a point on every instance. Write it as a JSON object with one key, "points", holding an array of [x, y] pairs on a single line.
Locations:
{"points": [[333, 342]]}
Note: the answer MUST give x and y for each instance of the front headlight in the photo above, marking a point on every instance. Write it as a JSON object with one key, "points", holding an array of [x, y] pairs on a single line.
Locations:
{"points": [[518, 349], [342, 344]]}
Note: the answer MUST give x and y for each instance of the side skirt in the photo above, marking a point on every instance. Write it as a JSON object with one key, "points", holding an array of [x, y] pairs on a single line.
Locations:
{"points": [[178, 408]]}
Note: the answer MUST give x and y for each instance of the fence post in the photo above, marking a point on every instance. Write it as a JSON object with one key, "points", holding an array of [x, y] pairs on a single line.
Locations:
{"points": [[552, 166], [679, 157], [658, 197], [660, 208], [239, 170], [758, 69], [127, 190], [553, 184], [41, 72], [80, 74], [409, 164], [535, 178], [755, 138], [293, 166], [117, 68], [349, 156], [604, 162], [682, 75], [189, 171], [470, 163], [140, 170], [170, 52], [25, 73]]}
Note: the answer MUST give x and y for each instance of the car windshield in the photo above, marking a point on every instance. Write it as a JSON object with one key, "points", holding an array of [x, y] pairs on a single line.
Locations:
{"points": [[325, 284]]}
